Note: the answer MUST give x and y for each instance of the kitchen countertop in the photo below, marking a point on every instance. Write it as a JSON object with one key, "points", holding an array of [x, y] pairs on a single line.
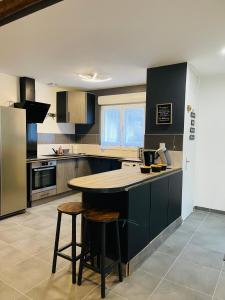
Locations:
{"points": [[77, 155], [115, 181]]}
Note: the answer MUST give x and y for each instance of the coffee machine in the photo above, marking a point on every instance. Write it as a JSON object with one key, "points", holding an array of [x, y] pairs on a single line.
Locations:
{"points": [[150, 156]]}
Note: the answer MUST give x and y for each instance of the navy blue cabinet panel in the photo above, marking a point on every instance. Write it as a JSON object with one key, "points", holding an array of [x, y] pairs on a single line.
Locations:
{"points": [[175, 197], [159, 206], [166, 84]]}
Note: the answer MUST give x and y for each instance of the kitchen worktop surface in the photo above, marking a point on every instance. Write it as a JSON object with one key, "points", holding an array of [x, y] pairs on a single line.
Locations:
{"points": [[77, 155], [115, 181]]}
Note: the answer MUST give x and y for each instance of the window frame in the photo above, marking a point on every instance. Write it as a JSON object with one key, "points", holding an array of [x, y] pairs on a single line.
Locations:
{"points": [[122, 135]]}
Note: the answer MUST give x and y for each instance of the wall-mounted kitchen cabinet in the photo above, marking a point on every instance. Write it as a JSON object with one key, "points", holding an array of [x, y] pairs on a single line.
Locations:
{"points": [[75, 107]]}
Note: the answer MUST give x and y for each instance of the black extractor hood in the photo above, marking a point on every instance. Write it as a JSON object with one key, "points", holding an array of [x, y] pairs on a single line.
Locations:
{"points": [[35, 111]]}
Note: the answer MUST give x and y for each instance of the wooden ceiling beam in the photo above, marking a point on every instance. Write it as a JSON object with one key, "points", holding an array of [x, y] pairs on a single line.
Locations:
{"points": [[11, 10]]}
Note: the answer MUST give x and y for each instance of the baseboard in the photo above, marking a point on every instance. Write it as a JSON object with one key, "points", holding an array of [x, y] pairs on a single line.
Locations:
{"points": [[217, 211], [53, 198]]}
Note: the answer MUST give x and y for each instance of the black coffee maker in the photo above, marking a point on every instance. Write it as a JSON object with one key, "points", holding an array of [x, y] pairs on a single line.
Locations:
{"points": [[149, 157]]}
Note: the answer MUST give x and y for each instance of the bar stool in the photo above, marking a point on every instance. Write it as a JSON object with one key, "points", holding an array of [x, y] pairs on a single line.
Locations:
{"points": [[73, 209], [103, 217]]}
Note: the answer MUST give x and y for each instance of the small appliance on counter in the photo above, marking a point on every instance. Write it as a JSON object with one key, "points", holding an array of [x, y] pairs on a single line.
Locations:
{"points": [[149, 157]]}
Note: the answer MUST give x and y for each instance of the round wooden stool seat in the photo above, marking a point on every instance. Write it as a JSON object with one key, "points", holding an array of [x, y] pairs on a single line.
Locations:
{"points": [[71, 208], [101, 215]]}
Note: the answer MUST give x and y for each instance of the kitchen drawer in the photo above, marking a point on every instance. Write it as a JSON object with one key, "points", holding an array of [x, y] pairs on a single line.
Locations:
{"points": [[44, 194]]}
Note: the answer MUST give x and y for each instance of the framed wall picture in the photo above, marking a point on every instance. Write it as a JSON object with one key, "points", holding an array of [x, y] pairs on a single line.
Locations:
{"points": [[164, 114], [192, 130], [191, 137], [192, 122]]}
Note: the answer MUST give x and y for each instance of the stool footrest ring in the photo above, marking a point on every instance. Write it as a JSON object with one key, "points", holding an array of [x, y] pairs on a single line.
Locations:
{"points": [[68, 245], [68, 257]]}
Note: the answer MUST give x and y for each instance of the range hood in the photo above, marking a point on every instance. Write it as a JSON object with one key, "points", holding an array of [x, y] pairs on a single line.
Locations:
{"points": [[35, 111]]}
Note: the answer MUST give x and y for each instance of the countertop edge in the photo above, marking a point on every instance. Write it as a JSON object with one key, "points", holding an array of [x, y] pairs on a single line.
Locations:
{"points": [[124, 188], [48, 158]]}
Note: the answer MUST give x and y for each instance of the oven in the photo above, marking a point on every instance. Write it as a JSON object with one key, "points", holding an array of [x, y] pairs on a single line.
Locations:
{"points": [[43, 176]]}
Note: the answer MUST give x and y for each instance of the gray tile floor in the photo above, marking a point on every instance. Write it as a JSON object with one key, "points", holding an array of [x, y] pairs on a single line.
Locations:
{"points": [[187, 266]]}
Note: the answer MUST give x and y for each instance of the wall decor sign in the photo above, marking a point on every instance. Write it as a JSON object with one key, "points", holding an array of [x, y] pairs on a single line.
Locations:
{"points": [[192, 130], [164, 114], [192, 122], [193, 115], [191, 137]]}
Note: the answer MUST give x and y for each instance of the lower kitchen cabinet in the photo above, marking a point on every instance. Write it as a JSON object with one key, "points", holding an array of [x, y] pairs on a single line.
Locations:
{"points": [[65, 170], [83, 167], [99, 165], [138, 231]]}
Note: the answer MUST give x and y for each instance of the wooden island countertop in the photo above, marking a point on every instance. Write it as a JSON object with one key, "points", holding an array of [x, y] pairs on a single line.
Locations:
{"points": [[115, 181]]}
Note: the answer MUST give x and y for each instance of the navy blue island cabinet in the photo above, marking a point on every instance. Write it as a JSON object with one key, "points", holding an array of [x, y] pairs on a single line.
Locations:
{"points": [[146, 209]]}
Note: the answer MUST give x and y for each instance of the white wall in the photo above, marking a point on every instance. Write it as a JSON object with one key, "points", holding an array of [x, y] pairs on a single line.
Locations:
{"points": [[9, 92], [210, 171], [189, 146], [9, 89]]}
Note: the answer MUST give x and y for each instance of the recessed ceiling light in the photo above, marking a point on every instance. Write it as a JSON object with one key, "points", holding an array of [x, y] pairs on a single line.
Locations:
{"points": [[94, 77], [222, 51], [52, 84]]}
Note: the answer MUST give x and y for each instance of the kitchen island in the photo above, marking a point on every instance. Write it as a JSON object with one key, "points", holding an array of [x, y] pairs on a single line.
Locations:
{"points": [[148, 205]]}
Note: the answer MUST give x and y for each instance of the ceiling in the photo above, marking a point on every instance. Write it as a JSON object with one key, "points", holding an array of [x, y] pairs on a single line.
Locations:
{"points": [[121, 38]]}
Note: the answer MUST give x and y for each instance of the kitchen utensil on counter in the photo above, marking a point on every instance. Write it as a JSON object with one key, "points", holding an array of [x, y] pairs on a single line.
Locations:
{"points": [[163, 167], [59, 151], [145, 169], [66, 151], [140, 153], [156, 168]]}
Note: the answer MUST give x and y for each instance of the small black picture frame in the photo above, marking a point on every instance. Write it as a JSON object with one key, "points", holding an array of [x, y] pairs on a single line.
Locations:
{"points": [[164, 114], [192, 130], [192, 122], [191, 137]]}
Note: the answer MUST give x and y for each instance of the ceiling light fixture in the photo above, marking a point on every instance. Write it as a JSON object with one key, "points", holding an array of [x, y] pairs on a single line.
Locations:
{"points": [[52, 84], [222, 51], [94, 77]]}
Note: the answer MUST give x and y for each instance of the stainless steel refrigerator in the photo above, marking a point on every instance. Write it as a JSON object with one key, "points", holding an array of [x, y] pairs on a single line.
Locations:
{"points": [[13, 185]]}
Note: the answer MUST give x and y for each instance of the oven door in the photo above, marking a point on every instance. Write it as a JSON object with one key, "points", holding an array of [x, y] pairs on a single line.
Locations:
{"points": [[43, 179]]}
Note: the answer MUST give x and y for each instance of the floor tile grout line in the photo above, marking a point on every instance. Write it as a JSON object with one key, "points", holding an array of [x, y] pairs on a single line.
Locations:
{"points": [[11, 284], [187, 287], [14, 288], [188, 242], [217, 283], [90, 292], [42, 281], [109, 289]]}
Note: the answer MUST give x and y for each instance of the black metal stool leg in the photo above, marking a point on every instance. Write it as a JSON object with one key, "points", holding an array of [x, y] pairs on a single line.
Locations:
{"points": [[102, 264], [119, 252], [74, 241], [83, 251], [56, 242]]}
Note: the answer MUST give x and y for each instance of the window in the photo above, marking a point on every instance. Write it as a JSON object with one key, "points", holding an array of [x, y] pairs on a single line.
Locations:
{"points": [[123, 125]]}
